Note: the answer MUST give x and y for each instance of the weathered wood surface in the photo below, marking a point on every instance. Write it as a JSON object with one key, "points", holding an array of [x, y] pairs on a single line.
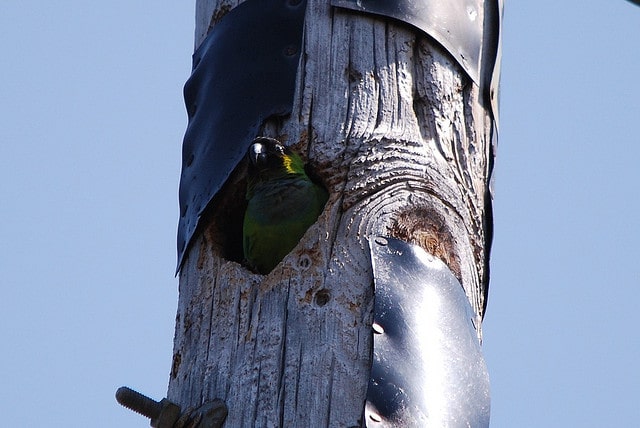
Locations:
{"points": [[401, 139]]}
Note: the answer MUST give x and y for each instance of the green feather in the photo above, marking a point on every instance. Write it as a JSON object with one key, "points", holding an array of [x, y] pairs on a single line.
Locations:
{"points": [[282, 203]]}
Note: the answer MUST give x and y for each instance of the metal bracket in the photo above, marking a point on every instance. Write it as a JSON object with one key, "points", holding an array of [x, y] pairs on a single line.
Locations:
{"points": [[428, 369], [243, 73]]}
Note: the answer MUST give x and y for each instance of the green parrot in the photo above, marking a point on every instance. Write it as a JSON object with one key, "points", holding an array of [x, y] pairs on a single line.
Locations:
{"points": [[282, 202]]}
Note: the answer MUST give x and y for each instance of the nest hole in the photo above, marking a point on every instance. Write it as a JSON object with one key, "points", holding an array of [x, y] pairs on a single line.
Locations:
{"points": [[222, 221]]}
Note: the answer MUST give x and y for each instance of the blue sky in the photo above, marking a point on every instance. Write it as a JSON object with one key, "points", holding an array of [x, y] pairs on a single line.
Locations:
{"points": [[91, 123]]}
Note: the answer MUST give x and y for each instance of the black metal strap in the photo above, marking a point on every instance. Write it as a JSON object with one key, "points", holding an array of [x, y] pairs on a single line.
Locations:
{"points": [[243, 73], [428, 369]]}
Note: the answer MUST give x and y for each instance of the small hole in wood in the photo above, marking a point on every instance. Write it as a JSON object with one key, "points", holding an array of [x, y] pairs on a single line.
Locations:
{"points": [[322, 297], [304, 262]]}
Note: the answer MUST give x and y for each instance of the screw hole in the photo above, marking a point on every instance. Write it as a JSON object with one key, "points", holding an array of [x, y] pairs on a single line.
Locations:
{"points": [[377, 328], [381, 241], [375, 417]]}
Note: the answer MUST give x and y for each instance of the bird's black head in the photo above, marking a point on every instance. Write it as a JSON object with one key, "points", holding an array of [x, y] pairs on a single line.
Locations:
{"points": [[269, 159], [266, 153]]}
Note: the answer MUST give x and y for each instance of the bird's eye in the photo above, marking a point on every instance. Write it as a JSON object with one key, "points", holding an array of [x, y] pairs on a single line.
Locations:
{"points": [[257, 148], [280, 149]]}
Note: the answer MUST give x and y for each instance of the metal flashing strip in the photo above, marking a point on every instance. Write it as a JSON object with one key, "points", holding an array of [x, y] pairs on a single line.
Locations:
{"points": [[468, 29], [456, 24], [428, 369], [243, 73]]}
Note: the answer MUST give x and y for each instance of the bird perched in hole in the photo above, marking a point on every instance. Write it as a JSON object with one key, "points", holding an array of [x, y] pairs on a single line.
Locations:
{"points": [[282, 202]]}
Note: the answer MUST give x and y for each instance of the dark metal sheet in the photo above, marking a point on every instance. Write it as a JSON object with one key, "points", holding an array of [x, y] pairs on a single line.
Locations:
{"points": [[492, 56], [455, 24], [243, 73], [468, 29], [428, 369]]}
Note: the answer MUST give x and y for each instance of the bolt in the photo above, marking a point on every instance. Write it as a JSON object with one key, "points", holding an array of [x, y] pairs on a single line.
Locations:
{"points": [[137, 402], [163, 414]]}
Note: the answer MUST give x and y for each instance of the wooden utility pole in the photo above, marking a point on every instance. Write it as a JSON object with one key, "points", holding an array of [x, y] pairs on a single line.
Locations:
{"points": [[402, 139]]}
